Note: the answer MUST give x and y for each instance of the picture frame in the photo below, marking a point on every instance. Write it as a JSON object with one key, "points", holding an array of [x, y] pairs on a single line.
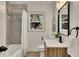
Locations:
{"points": [[36, 20]]}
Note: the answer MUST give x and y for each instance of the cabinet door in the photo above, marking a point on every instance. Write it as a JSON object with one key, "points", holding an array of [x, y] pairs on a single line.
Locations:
{"points": [[56, 52]]}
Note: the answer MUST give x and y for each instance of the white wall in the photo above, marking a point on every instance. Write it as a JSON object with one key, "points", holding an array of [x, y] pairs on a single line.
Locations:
{"points": [[2, 23], [2, 26], [74, 21], [74, 15], [34, 38]]}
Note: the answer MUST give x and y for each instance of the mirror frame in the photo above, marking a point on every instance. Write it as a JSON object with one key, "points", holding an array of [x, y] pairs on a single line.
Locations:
{"points": [[68, 18]]}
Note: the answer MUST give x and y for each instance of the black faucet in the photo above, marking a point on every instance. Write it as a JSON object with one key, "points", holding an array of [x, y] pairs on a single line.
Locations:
{"points": [[60, 39]]}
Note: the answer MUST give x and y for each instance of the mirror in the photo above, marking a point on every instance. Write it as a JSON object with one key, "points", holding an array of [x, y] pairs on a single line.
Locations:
{"points": [[64, 19]]}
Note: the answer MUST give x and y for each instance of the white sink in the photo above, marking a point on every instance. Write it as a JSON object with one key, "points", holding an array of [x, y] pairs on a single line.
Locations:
{"points": [[55, 43]]}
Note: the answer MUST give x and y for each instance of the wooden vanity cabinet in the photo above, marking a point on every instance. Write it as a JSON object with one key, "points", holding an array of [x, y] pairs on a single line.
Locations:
{"points": [[55, 52], [55, 49]]}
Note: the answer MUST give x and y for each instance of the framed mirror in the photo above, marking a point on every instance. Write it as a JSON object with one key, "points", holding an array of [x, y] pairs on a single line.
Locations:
{"points": [[64, 19]]}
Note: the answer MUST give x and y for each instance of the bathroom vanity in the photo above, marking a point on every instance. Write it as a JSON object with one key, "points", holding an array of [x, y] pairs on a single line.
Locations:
{"points": [[53, 48]]}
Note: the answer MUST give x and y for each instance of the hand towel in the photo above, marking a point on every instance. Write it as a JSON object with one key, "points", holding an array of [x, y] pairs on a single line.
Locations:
{"points": [[73, 48]]}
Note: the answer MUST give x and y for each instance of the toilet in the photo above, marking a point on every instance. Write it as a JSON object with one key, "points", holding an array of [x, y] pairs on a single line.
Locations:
{"points": [[41, 49]]}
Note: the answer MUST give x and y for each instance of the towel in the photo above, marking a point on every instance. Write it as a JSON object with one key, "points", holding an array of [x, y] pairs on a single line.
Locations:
{"points": [[73, 48]]}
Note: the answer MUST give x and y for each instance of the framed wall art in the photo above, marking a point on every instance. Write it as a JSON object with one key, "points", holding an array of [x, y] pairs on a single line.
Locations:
{"points": [[36, 21]]}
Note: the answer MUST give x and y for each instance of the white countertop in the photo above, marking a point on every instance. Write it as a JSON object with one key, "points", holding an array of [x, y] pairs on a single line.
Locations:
{"points": [[55, 44]]}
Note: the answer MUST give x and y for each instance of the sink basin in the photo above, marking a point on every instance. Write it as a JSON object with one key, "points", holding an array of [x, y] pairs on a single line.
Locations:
{"points": [[54, 43]]}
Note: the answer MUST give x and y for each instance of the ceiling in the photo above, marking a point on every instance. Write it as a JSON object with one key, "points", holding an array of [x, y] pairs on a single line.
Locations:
{"points": [[30, 2]]}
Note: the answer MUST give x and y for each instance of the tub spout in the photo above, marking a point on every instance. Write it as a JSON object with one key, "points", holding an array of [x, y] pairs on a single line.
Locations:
{"points": [[2, 48]]}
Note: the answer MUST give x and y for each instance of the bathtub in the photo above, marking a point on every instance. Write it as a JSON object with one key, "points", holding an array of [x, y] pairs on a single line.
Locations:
{"points": [[14, 50]]}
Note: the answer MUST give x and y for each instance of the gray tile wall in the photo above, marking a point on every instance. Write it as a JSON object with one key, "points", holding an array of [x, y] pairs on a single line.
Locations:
{"points": [[13, 22], [13, 30]]}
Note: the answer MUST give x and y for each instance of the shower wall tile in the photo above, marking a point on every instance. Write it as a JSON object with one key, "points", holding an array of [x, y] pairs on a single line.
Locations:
{"points": [[13, 25]]}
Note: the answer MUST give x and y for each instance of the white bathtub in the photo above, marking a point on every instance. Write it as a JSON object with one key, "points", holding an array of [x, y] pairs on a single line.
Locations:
{"points": [[14, 50]]}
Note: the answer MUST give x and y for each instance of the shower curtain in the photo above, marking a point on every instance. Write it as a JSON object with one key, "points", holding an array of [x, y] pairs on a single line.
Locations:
{"points": [[24, 40]]}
